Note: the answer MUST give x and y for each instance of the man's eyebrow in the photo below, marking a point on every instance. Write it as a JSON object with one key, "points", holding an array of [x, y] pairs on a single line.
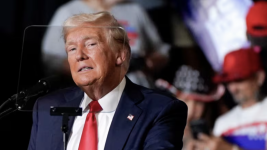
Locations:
{"points": [[83, 39], [69, 43], [90, 37]]}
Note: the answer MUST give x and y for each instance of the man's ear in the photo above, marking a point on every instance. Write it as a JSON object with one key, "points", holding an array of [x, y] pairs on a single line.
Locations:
{"points": [[260, 77], [121, 57]]}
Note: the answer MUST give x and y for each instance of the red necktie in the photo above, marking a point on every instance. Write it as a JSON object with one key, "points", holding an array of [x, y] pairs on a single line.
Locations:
{"points": [[89, 138]]}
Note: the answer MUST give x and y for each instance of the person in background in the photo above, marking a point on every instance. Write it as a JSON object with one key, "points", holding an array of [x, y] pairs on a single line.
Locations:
{"points": [[197, 90], [245, 125], [148, 51], [116, 113], [256, 22], [160, 12]]}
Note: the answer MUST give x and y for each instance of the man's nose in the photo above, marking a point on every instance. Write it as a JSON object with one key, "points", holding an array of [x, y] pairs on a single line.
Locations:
{"points": [[81, 54], [232, 87]]}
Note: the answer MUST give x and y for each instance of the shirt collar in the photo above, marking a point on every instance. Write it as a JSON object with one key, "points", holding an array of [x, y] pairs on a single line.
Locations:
{"points": [[110, 101]]}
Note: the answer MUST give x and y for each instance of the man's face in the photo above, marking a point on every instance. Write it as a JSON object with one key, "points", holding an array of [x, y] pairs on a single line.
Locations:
{"points": [[111, 2], [195, 111], [243, 90], [90, 58]]}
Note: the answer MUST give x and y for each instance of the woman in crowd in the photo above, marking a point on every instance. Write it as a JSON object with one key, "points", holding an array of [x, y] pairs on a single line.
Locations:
{"points": [[201, 95]]}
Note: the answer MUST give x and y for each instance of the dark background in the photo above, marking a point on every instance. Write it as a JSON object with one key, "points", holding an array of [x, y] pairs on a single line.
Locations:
{"points": [[15, 16]]}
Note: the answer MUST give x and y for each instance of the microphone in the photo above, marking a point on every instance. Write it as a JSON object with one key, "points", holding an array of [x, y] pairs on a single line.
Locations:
{"points": [[43, 86]]}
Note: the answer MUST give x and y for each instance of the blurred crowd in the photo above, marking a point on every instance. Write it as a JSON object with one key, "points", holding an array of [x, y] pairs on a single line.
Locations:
{"points": [[227, 108]]}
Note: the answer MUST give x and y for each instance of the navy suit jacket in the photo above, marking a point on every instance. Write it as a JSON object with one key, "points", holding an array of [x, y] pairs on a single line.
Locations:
{"points": [[158, 123]]}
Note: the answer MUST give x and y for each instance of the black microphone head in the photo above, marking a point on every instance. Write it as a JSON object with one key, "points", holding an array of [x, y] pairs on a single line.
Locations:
{"points": [[52, 82], [43, 86]]}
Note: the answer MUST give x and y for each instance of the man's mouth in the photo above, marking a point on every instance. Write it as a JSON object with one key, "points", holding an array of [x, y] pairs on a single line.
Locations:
{"points": [[84, 69]]}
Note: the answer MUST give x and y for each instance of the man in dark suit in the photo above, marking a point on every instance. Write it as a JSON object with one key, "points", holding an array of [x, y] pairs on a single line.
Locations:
{"points": [[117, 114]]}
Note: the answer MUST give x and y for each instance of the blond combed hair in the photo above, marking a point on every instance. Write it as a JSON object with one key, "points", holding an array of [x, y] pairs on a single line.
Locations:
{"points": [[115, 35]]}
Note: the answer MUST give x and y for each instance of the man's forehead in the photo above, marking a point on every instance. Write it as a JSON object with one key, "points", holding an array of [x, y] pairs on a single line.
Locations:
{"points": [[81, 33]]}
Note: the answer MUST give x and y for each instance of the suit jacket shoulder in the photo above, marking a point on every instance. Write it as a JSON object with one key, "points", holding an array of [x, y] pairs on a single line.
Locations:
{"points": [[46, 129], [147, 119]]}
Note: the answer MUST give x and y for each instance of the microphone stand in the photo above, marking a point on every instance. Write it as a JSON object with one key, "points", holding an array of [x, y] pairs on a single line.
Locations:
{"points": [[65, 112], [22, 97], [8, 111], [42, 87], [20, 102]]}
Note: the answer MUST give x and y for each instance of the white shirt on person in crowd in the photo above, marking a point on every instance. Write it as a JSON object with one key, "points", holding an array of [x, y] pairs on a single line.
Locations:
{"points": [[246, 128]]}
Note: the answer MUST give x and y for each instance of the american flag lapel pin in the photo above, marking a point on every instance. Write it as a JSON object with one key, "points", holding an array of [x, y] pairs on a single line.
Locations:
{"points": [[130, 117]]}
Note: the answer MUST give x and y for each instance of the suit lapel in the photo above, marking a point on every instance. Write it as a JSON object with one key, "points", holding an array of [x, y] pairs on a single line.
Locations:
{"points": [[121, 125]]}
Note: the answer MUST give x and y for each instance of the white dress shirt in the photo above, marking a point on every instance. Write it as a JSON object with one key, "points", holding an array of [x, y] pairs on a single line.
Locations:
{"points": [[109, 104]]}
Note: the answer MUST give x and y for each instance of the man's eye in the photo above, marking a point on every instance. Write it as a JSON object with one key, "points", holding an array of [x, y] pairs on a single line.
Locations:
{"points": [[72, 49], [91, 44]]}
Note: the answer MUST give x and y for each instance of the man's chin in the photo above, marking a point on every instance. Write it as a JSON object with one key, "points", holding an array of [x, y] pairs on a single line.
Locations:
{"points": [[239, 100], [85, 83]]}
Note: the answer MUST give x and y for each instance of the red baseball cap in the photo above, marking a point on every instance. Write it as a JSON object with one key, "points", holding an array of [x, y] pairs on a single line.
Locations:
{"points": [[238, 65], [256, 19]]}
